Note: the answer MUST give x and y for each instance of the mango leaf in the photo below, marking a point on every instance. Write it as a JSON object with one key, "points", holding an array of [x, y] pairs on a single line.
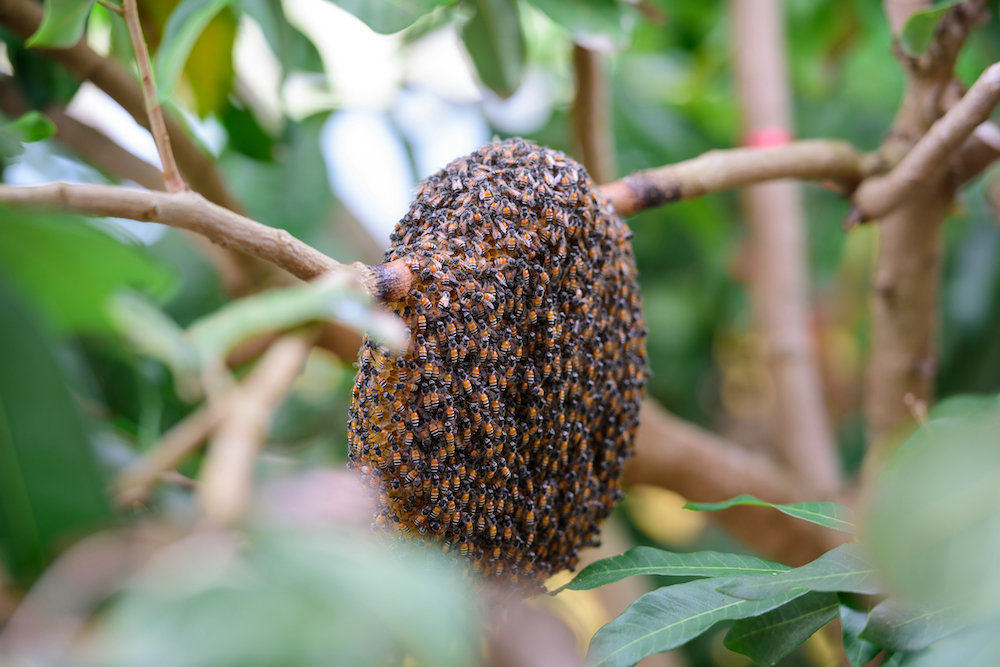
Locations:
{"points": [[389, 16], [934, 518], [494, 40], [151, 331], [669, 617], [852, 622], [63, 23], [919, 29], [182, 30], [845, 569], [43, 80], [70, 268], [590, 21], [32, 126], [901, 626], [768, 638], [50, 487], [293, 49], [334, 298], [830, 515], [647, 560]]}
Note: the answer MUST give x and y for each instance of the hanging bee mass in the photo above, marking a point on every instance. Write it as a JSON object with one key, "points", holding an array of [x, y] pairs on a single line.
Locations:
{"points": [[520, 388]]}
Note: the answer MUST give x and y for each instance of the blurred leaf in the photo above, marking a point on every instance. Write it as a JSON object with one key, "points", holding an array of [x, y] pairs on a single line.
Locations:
{"points": [[669, 617], [830, 515], [589, 21], [842, 570], [50, 489], [768, 638], [292, 598], [71, 269], [963, 406], [62, 23], [245, 135], [32, 126], [293, 49], [934, 516], [895, 659], [334, 298], [647, 560], [209, 68], [292, 191], [43, 80], [151, 331], [919, 29], [852, 622], [901, 626], [184, 27], [494, 40], [389, 16]]}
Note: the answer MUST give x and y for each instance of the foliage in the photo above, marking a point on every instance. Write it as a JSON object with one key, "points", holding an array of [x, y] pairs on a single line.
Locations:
{"points": [[108, 342]]}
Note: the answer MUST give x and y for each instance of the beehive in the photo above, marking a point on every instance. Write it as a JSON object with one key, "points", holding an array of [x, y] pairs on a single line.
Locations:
{"points": [[502, 430]]}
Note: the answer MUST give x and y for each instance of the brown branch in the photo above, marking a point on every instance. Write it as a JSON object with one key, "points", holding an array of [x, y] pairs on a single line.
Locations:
{"points": [[704, 467], [592, 115], [720, 170], [184, 210], [226, 476], [154, 112], [877, 196], [779, 275]]}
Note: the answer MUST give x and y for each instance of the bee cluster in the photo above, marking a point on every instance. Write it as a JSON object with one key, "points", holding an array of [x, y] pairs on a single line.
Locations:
{"points": [[501, 432]]}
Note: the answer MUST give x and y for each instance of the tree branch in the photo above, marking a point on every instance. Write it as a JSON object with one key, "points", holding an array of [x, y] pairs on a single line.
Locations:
{"points": [[227, 473], [877, 196], [704, 467], [778, 273], [154, 112], [592, 115], [720, 170]]}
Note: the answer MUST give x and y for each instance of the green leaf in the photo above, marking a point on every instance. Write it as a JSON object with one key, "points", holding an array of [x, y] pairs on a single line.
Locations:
{"points": [[768, 638], [293, 49], [830, 515], [494, 40], [62, 24], [389, 16], [151, 331], [919, 29], [335, 298], [182, 30], [43, 80], [901, 626], [964, 405], [70, 268], [50, 488], [647, 560], [852, 622], [669, 617], [590, 20], [934, 517], [841, 570], [892, 659], [32, 126]]}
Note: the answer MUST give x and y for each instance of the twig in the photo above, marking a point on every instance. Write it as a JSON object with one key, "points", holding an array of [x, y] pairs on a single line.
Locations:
{"points": [[704, 467], [110, 6], [134, 484], [184, 210], [720, 170], [226, 476], [158, 126], [877, 196], [778, 275], [592, 115]]}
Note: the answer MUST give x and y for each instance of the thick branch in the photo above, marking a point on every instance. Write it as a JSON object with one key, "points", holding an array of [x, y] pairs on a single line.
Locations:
{"points": [[778, 272], [877, 196], [592, 115], [704, 467], [226, 477], [157, 124], [716, 171]]}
